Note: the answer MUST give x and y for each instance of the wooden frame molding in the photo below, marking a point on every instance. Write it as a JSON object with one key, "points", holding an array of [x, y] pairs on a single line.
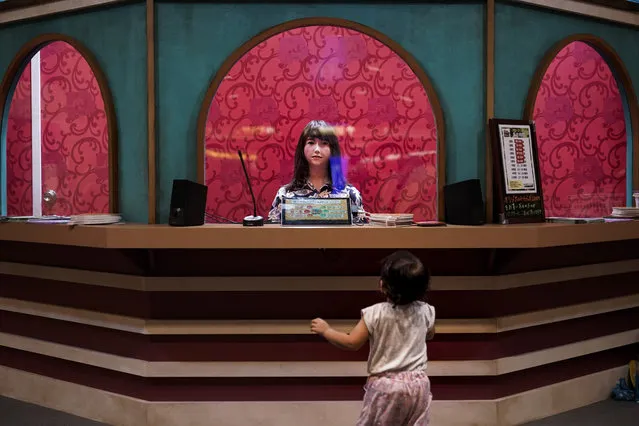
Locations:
{"points": [[622, 74], [16, 67], [33, 9], [583, 8], [490, 105], [38, 8], [151, 109], [306, 22]]}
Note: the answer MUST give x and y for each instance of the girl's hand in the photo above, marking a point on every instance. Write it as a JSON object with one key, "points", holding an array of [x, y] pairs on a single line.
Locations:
{"points": [[319, 326]]}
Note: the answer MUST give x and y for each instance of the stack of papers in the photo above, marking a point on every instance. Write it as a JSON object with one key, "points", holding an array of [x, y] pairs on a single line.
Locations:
{"points": [[95, 219], [575, 219], [35, 219], [391, 219], [625, 212], [15, 218], [50, 219]]}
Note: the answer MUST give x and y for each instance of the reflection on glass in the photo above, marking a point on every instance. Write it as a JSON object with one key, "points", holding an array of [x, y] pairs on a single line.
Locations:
{"points": [[373, 100], [65, 147], [581, 135]]}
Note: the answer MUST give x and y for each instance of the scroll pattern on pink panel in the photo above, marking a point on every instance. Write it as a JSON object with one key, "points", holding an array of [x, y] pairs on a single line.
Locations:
{"points": [[18, 146], [379, 107], [74, 136], [581, 135]]}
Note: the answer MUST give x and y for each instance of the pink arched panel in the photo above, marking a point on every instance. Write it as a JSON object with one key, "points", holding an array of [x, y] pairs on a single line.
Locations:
{"points": [[377, 104]]}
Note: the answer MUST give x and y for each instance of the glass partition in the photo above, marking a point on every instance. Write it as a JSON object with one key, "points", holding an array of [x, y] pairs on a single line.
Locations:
{"points": [[372, 96]]}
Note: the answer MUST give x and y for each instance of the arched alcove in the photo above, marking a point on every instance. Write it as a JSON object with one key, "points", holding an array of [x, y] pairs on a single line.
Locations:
{"points": [[373, 92], [61, 161], [578, 101]]}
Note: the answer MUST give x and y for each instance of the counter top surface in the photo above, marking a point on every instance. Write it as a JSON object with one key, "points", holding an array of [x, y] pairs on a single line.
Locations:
{"points": [[213, 236]]}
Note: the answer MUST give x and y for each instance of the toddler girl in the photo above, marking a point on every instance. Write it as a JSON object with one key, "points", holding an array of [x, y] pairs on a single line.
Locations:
{"points": [[397, 389]]}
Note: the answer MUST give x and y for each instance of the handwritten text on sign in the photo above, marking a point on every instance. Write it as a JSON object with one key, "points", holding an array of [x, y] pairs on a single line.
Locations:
{"points": [[524, 205]]}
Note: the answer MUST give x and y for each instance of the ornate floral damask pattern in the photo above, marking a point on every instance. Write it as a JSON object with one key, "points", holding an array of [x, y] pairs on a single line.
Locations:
{"points": [[74, 138], [18, 154], [581, 135], [377, 104]]}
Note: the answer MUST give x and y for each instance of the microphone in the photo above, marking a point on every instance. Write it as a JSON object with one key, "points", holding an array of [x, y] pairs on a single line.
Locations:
{"points": [[254, 220]]}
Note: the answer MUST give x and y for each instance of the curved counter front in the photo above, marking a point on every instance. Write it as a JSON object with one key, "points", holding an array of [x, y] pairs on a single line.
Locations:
{"points": [[165, 322]]}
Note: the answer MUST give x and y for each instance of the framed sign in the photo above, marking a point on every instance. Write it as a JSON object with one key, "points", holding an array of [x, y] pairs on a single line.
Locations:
{"points": [[518, 194]]}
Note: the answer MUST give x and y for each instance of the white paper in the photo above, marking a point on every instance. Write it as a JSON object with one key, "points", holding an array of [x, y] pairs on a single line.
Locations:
{"points": [[517, 156]]}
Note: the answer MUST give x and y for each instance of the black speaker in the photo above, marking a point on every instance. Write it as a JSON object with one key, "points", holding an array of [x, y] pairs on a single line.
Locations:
{"points": [[464, 204], [188, 203]]}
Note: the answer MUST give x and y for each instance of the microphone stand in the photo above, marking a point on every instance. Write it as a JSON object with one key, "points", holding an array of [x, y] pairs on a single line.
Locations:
{"points": [[254, 220]]}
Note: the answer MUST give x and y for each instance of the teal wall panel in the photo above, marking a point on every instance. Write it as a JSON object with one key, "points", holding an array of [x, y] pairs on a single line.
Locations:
{"points": [[194, 39]]}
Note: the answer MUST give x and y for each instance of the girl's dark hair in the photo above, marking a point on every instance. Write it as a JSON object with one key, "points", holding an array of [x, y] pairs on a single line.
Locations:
{"points": [[316, 129], [404, 278]]}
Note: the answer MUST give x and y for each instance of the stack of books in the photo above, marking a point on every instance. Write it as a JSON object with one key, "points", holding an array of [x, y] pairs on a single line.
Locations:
{"points": [[95, 219], [391, 219]]}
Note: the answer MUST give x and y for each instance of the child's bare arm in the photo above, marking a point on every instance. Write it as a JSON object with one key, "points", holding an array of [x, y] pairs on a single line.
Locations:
{"points": [[351, 341], [431, 333]]}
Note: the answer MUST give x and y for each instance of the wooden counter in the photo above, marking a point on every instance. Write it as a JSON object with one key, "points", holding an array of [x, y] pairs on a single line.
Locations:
{"points": [[127, 236]]}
